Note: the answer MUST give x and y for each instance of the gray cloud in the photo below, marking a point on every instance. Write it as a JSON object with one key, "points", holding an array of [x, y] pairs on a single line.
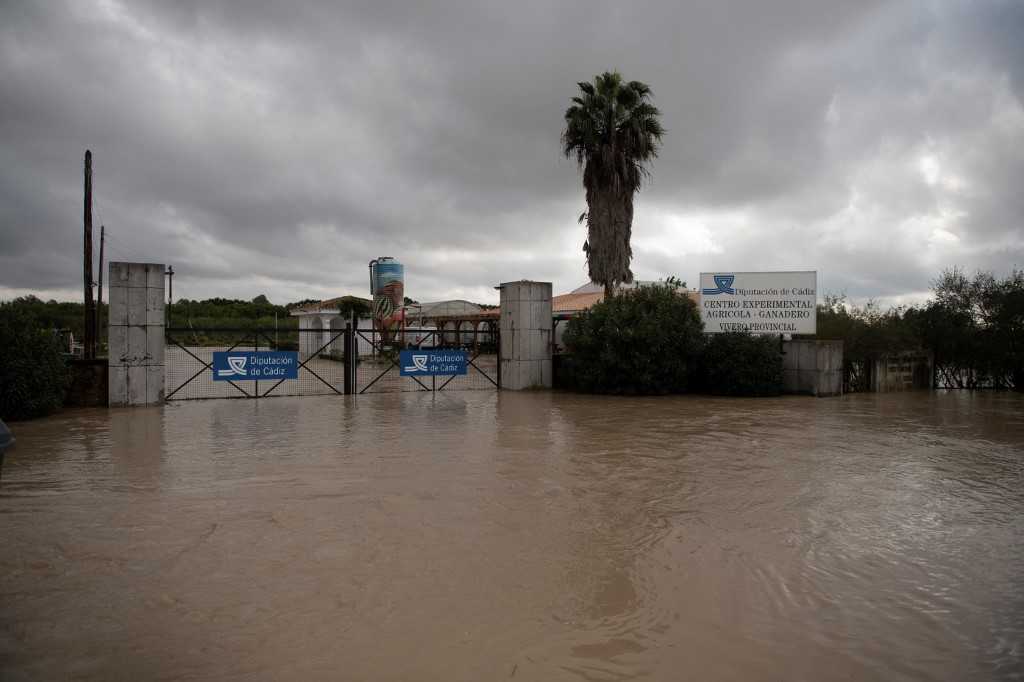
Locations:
{"points": [[274, 150]]}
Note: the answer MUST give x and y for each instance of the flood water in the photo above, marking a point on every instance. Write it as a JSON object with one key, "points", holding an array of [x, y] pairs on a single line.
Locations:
{"points": [[534, 536]]}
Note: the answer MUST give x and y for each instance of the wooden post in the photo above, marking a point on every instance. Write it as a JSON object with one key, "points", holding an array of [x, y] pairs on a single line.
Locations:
{"points": [[89, 340]]}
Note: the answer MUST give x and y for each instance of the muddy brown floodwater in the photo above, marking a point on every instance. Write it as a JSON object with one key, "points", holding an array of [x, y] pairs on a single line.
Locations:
{"points": [[478, 536]]}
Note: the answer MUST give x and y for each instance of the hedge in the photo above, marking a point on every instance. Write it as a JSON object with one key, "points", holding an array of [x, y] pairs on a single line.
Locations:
{"points": [[738, 363], [641, 341], [650, 340], [33, 373]]}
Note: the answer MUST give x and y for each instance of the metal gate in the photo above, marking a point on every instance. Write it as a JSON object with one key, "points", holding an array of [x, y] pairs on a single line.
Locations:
{"points": [[377, 369], [331, 362]]}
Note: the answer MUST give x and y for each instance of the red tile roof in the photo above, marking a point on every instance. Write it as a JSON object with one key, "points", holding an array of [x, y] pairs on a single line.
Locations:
{"points": [[574, 303]]}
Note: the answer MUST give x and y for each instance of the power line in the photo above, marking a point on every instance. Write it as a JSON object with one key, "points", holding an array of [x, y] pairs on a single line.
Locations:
{"points": [[124, 249], [121, 254]]}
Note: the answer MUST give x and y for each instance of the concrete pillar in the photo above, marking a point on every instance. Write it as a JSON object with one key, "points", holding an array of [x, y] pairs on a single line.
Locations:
{"points": [[136, 334], [525, 352]]}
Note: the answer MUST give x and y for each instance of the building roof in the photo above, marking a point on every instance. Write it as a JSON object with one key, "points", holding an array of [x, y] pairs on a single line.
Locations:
{"points": [[595, 288], [329, 305], [444, 308], [575, 302], [582, 298]]}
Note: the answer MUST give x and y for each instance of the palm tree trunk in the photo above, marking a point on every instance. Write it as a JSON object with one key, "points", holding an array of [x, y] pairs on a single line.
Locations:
{"points": [[609, 222]]}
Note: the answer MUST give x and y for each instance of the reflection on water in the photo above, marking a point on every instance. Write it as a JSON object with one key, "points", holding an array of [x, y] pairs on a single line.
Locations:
{"points": [[536, 536]]}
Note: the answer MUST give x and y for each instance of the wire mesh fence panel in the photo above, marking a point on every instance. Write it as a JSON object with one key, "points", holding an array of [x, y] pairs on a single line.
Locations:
{"points": [[189, 354], [378, 368], [320, 356], [319, 376]]}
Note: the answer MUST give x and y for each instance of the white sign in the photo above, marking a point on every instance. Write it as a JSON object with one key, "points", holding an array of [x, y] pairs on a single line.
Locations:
{"points": [[759, 302]]}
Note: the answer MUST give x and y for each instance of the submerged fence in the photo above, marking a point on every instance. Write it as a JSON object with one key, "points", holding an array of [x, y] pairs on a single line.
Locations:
{"points": [[333, 362]]}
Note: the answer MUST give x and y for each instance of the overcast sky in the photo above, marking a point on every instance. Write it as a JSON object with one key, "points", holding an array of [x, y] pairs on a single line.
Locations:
{"points": [[277, 147]]}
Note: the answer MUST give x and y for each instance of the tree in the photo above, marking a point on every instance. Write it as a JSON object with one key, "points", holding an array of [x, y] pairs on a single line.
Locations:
{"points": [[33, 374], [612, 130], [975, 326], [644, 342], [261, 300]]}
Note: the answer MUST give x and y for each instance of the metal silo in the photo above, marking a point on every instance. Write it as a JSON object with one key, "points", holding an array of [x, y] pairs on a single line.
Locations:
{"points": [[387, 286]]}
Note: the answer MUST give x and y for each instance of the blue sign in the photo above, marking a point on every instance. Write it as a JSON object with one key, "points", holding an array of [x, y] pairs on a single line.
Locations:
{"points": [[439, 362], [254, 365]]}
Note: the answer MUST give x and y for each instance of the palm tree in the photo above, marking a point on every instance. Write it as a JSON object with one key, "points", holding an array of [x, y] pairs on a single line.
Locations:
{"points": [[612, 129]]}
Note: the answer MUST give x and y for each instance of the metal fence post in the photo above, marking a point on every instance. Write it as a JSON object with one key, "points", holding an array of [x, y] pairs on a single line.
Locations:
{"points": [[256, 348], [497, 352], [349, 364]]}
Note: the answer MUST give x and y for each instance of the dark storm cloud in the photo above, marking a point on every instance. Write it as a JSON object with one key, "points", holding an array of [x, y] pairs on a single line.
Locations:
{"points": [[262, 148]]}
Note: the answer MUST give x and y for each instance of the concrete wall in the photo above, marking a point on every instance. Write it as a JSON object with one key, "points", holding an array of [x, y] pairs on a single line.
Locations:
{"points": [[525, 353], [812, 367], [136, 334], [313, 341], [322, 328], [907, 371]]}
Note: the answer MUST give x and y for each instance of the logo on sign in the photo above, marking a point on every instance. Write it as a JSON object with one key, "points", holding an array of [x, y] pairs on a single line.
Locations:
{"points": [[236, 366], [419, 364], [723, 285]]}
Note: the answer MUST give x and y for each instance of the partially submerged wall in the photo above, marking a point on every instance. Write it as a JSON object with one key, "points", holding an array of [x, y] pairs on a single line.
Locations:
{"points": [[136, 334], [812, 367], [907, 371], [525, 353]]}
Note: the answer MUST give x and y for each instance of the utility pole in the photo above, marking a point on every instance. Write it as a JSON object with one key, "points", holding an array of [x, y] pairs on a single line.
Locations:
{"points": [[99, 296], [89, 342]]}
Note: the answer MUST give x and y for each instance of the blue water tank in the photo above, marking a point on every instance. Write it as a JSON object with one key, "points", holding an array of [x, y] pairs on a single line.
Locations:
{"points": [[385, 274]]}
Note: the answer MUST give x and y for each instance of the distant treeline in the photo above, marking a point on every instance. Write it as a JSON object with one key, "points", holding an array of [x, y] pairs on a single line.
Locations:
{"points": [[209, 313], [51, 314], [203, 318], [974, 326]]}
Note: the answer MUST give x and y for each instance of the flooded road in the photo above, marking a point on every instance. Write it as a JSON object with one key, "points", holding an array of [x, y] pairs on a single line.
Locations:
{"points": [[478, 536]]}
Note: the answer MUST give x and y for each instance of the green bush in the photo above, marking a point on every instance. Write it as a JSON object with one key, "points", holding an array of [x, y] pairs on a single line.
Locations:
{"points": [[642, 341], [738, 363], [33, 373]]}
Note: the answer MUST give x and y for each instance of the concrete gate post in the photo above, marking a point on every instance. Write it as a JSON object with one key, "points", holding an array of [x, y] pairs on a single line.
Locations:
{"points": [[525, 353], [136, 334]]}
